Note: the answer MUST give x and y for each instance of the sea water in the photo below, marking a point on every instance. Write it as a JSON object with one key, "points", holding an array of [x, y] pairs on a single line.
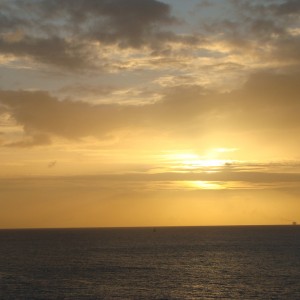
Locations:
{"points": [[249, 262]]}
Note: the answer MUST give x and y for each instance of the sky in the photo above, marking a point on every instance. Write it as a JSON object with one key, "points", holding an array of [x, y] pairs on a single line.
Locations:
{"points": [[149, 113]]}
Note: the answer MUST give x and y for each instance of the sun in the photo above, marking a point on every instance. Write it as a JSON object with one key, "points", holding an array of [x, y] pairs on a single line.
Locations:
{"points": [[203, 162], [211, 161], [208, 162], [206, 185]]}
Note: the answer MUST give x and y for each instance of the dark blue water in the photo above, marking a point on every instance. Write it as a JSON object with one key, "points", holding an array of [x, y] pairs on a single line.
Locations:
{"points": [[171, 263]]}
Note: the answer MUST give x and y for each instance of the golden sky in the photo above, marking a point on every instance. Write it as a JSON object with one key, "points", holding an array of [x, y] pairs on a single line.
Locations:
{"points": [[149, 113]]}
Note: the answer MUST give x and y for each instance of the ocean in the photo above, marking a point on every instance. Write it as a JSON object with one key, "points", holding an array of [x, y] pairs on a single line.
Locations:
{"points": [[238, 262]]}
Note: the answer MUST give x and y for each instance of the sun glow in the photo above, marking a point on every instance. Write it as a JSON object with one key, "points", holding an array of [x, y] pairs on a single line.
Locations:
{"points": [[206, 185], [192, 161], [206, 163]]}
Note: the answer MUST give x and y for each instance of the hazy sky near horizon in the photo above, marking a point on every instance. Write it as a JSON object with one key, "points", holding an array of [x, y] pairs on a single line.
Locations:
{"points": [[148, 113]]}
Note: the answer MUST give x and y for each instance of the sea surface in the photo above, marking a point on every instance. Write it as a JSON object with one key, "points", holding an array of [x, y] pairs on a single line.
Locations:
{"points": [[250, 262]]}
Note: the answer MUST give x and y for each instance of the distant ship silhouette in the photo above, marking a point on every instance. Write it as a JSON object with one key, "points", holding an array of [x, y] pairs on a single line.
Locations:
{"points": [[294, 223]]}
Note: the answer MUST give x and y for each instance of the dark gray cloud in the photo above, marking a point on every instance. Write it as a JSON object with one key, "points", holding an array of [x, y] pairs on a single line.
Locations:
{"points": [[50, 50], [289, 7], [268, 7], [262, 29], [132, 23], [59, 32]]}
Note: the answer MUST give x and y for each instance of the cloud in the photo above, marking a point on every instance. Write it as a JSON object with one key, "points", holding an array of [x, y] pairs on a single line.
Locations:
{"points": [[265, 101], [289, 7], [39, 112], [131, 24], [223, 176], [67, 34], [81, 35], [264, 31], [50, 50], [52, 164], [268, 101], [251, 179], [30, 141]]}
